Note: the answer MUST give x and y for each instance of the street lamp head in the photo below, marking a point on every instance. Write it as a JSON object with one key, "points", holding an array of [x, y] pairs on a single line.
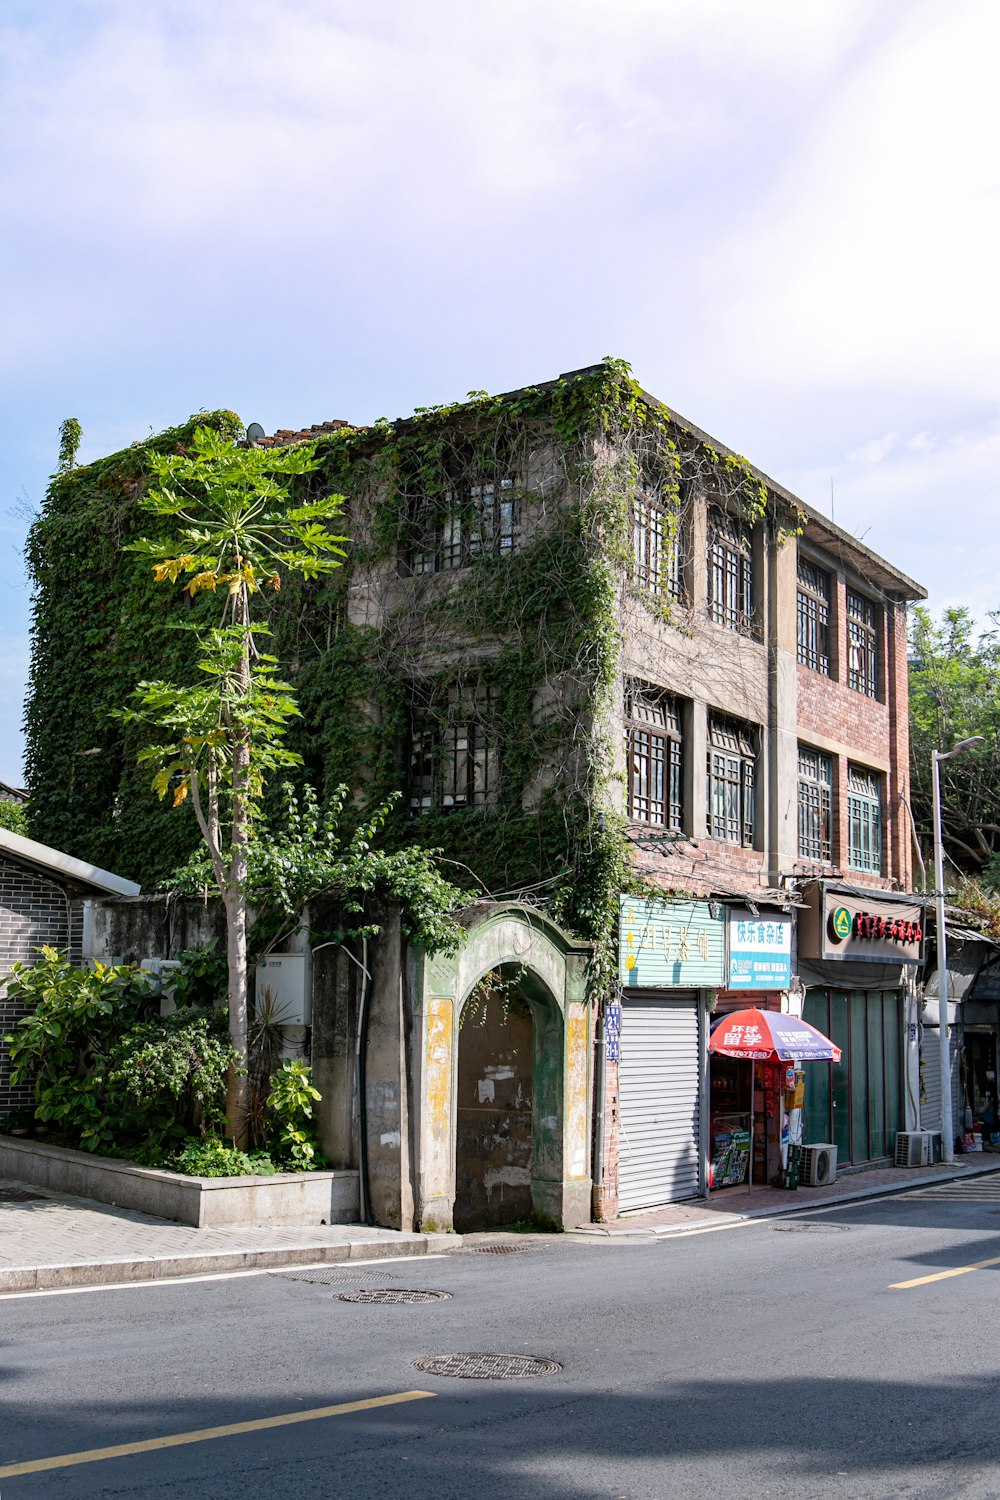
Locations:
{"points": [[976, 739]]}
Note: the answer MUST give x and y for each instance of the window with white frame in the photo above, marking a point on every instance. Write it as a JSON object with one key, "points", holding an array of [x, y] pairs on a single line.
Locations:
{"points": [[653, 757], [862, 644], [815, 805], [730, 572], [813, 617], [732, 759], [656, 543], [864, 819], [454, 760]]}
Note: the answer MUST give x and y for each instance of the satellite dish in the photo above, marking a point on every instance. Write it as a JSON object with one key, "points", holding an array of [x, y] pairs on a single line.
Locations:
{"points": [[254, 433]]}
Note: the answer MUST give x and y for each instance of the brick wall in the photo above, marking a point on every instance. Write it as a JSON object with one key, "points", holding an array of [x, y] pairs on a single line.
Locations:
{"points": [[32, 912]]}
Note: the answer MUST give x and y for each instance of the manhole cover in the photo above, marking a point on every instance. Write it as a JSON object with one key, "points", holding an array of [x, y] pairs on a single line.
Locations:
{"points": [[487, 1366], [333, 1276], [19, 1195], [498, 1249], [811, 1228], [389, 1294]]}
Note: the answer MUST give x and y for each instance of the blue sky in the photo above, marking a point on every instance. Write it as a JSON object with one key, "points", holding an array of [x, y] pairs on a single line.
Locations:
{"points": [[784, 215]]}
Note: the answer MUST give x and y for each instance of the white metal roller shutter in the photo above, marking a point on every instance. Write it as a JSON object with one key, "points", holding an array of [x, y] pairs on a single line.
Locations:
{"points": [[930, 1071], [659, 1100]]}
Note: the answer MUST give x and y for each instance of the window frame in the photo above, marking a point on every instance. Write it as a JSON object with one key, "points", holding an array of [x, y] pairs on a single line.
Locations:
{"points": [[864, 820], [812, 616], [733, 750], [730, 580], [862, 644], [657, 549], [479, 518], [455, 746], [815, 805], [654, 758]]}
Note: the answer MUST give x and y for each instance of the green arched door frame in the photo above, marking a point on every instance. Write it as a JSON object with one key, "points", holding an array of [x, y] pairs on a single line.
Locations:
{"points": [[551, 968]]}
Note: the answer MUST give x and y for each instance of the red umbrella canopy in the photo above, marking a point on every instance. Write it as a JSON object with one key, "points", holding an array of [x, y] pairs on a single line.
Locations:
{"points": [[769, 1036]]}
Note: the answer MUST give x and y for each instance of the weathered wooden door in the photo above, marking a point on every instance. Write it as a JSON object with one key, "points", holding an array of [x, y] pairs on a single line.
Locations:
{"points": [[493, 1115]]}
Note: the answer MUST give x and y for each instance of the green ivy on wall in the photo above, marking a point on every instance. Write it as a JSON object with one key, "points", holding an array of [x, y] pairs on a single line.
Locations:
{"points": [[540, 627]]}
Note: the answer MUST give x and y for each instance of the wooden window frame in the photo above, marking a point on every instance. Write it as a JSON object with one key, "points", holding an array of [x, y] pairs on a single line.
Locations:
{"points": [[731, 790], [454, 760], [657, 556], [862, 644], [730, 573], [654, 758], [864, 820], [813, 617], [815, 805]]}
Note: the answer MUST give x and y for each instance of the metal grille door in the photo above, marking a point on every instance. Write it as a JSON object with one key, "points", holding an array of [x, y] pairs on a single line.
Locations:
{"points": [[659, 1100]]}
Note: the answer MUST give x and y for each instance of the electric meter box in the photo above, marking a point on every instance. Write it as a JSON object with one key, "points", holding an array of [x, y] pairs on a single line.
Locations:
{"points": [[285, 975]]}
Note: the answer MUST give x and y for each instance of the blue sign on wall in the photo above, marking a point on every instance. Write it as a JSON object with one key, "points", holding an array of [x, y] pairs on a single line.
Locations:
{"points": [[670, 944], [760, 952]]}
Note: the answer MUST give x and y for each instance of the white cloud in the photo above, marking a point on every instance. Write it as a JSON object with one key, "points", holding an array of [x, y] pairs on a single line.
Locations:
{"points": [[872, 259]]}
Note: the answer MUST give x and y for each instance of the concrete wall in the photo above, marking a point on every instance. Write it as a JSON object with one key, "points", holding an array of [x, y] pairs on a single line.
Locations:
{"points": [[203, 1202]]}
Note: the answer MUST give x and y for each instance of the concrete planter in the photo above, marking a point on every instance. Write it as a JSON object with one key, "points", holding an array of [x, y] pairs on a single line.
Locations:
{"points": [[203, 1202]]}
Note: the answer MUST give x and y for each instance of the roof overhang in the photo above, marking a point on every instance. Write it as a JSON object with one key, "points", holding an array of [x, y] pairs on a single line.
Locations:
{"points": [[54, 863]]}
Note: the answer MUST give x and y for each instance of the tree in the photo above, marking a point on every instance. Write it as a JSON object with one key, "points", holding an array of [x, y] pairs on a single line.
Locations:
{"points": [[955, 694], [237, 528]]}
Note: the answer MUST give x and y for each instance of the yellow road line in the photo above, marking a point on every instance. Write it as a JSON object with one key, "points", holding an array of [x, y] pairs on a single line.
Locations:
{"points": [[902, 1286], [204, 1434]]}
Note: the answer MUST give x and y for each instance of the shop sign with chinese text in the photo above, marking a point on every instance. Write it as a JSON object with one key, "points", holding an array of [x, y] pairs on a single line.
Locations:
{"points": [[869, 928], [670, 944], [760, 952]]}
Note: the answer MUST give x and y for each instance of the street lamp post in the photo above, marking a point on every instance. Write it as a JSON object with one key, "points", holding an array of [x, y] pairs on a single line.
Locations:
{"points": [[947, 1133]]}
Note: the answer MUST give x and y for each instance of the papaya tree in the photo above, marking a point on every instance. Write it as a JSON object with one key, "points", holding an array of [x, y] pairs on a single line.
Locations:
{"points": [[235, 529]]}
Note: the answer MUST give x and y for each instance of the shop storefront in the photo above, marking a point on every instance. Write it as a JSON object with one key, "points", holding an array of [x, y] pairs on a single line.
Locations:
{"points": [[854, 951], [672, 960], [972, 1042], [744, 1099]]}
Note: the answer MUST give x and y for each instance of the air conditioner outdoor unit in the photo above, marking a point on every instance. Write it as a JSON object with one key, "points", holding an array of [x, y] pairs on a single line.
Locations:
{"points": [[914, 1148], [818, 1165]]}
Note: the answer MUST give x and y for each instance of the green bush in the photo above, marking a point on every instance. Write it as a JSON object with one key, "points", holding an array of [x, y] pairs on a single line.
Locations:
{"points": [[290, 1103], [14, 816], [109, 1073], [213, 1158]]}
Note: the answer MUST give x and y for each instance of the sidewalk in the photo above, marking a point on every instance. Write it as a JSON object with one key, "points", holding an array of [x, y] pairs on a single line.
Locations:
{"points": [[732, 1206], [52, 1240]]}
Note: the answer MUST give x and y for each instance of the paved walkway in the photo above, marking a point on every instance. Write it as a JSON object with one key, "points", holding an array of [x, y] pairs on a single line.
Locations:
{"points": [[732, 1206], [53, 1240]]}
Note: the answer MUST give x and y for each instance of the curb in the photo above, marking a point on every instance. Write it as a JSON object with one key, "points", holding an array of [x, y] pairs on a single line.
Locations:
{"points": [[720, 1221], [165, 1268]]}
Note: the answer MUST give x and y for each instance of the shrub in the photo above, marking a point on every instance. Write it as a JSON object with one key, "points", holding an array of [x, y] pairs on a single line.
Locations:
{"points": [[290, 1105], [213, 1158]]}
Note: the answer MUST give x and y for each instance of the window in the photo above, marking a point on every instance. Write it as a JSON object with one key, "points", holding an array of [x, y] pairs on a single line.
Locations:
{"points": [[864, 816], [454, 762], [732, 754], [653, 757], [815, 803], [474, 520], [730, 572], [656, 543], [862, 645], [814, 617]]}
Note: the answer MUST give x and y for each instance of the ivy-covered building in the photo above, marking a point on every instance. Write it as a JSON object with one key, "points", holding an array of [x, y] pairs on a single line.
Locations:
{"points": [[596, 656]]}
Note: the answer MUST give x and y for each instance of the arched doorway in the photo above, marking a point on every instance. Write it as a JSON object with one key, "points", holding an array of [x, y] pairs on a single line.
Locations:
{"points": [[485, 1160], [493, 1107]]}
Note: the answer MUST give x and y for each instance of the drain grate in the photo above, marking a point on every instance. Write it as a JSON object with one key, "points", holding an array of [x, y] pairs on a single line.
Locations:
{"points": [[333, 1276], [499, 1249], [392, 1294], [811, 1228], [487, 1366], [19, 1195]]}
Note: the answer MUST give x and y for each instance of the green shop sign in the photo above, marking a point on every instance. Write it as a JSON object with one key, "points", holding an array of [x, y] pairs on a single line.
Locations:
{"points": [[670, 945]]}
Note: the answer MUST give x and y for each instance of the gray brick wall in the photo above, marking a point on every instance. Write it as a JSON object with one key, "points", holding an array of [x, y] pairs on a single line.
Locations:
{"points": [[33, 911]]}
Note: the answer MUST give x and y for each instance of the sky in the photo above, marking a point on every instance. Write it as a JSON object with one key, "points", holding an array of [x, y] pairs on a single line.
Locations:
{"points": [[785, 216]]}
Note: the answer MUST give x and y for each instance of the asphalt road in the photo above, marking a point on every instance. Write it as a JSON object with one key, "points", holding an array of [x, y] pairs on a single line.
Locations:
{"points": [[779, 1359]]}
